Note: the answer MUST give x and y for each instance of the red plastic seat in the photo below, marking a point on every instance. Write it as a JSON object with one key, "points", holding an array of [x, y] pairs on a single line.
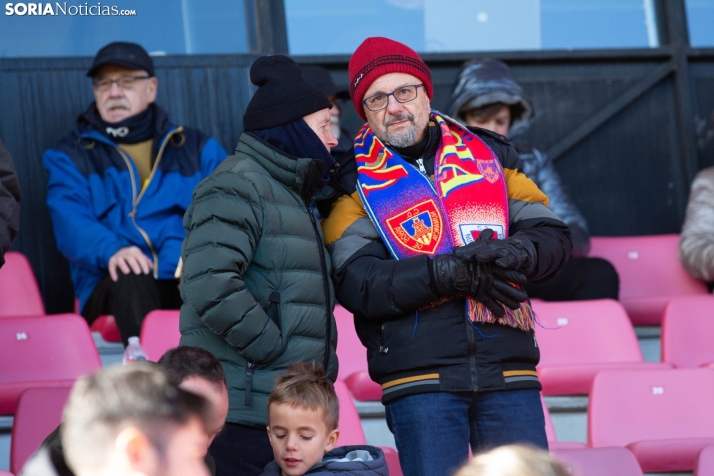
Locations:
{"points": [[19, 294], [598, 461], [577, 339], [553, 442], [160, 332], [351, 432], [107, 328], [39, 412], [392, 459], [353, 359], [664, 417], [704, 466], [5, 473], [43, 351], [650, 273], [687, 330]]}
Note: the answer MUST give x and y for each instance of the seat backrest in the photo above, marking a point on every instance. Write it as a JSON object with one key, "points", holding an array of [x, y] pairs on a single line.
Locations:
{"points": [[704, 465], [585, 332], [687, 330], [598, 461], [647, 265], [5, 473], [351, 354], [160, 332], [19, 294], [43, 351], [351, 432], [39, 412], [627, 406]]}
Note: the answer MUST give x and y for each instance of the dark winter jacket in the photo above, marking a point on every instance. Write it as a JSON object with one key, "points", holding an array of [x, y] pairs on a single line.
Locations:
{"points": [[437, 349], [256, 277], [98, 205], [372, 463], [9, 202]]}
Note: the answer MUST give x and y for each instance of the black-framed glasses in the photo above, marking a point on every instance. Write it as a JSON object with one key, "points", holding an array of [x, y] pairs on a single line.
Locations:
{"points": [[402, 95], [124, 82]]}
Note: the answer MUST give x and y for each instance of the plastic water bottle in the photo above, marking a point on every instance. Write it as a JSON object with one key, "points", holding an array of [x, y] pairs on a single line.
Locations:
{"points": [[134, 352]]}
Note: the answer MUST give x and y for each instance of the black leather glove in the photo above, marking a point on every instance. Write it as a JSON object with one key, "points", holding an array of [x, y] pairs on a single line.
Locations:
{"points": [[516, 253], [486, 283]]}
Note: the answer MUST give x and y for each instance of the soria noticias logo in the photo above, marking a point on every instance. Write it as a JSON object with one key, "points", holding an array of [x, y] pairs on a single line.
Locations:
{"points": [[63, 8]]}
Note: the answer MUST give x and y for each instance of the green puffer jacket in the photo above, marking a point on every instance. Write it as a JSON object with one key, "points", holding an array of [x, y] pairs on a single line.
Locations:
{"points": [[256, 279]]}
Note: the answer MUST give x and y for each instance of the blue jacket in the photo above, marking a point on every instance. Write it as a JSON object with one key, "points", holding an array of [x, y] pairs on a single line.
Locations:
{"points": [[98, 206], [343, 460]]}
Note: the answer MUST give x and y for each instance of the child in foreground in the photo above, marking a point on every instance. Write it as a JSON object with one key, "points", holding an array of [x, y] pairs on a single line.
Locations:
{"points": [[303, 414]]}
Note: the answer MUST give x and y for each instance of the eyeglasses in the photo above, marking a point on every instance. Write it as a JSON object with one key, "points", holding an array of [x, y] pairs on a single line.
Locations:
{"points": [[124, 82], [402, 95]]}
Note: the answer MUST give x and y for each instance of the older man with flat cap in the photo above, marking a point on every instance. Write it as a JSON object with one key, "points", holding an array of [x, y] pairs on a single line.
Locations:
{"points": [[431, 248], [118, 187]]}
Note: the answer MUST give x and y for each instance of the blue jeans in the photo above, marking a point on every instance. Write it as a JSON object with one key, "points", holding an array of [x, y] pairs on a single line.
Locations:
{"points": [[433, 430]]}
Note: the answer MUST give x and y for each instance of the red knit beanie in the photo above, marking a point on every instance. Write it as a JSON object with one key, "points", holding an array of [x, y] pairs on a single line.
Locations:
{"points": [[377, 56]]}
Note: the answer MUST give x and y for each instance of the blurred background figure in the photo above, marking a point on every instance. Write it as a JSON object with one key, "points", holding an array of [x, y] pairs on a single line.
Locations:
{"points": [[9, 201], [190, 368], [487, 96], [131, 420], [696, 241], [514, 460]]}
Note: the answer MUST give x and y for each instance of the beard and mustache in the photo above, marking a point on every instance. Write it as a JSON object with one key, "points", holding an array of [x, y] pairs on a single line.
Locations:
{"points": [[119, 103], [405, 138]]}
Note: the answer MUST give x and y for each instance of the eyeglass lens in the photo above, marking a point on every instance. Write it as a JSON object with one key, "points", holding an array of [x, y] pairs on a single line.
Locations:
{"points": [[379, 101]]}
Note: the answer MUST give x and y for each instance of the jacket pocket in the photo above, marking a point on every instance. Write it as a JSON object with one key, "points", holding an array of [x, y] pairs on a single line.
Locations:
{"points": [[272, 309]]}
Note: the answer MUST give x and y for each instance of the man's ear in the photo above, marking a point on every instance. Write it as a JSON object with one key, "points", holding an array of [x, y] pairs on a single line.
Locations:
{"points": [[332, 439], [152, 88], [136, 449]]}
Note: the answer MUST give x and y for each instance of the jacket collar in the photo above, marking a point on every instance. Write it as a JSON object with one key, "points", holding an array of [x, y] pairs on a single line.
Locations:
{"points": [[302, 175]]}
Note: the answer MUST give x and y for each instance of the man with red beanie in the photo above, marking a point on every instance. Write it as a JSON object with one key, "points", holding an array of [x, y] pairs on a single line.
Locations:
{"points": [[431, 246]]}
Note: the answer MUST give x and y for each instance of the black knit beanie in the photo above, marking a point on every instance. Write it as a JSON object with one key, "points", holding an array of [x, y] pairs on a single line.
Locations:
{"points": [[282, 96]]}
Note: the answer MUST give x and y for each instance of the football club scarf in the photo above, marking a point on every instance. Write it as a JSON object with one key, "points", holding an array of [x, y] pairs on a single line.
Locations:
{"points": [[414, 215]]}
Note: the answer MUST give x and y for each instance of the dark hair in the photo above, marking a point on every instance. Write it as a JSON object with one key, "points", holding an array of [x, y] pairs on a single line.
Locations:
{"points": [[487, 111], [101, 405], [183, 362], [305, 385]]}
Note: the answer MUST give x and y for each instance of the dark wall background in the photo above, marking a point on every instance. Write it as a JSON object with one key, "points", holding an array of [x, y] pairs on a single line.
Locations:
{"points": [[628, 128]]}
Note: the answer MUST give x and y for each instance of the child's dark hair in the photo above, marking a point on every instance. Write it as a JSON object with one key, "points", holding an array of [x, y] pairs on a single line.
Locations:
{"points": [[306, 385]]}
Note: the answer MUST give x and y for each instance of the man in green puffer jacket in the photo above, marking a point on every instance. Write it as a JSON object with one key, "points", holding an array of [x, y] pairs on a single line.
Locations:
{"points": [[256, 278]]}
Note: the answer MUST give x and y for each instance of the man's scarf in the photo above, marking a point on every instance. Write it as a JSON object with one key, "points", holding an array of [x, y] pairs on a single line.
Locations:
{"points": [[417, 216]]}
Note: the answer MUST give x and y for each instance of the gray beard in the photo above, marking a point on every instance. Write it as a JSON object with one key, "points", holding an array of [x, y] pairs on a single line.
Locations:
{"points": [[403, 139]]}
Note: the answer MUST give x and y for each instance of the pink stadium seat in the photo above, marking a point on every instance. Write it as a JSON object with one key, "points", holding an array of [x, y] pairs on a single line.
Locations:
{"points": [[392, 458], [5, 473], [598, 461], [687, 330], [42, 351], [577, 339], [351, 432], [19, 294], [704, 466], [107, 328], [664, 417], [553, 442], [39, 412], [353, 359], [650, 273], [160, 332]]}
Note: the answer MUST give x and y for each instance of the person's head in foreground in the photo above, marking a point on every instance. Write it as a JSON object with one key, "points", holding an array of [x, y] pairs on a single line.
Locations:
{"points": [[513, 460], [130, 420], [391, 89], [487, 96], [198, 371], [123, 81], [321, 78], [303, 413]]}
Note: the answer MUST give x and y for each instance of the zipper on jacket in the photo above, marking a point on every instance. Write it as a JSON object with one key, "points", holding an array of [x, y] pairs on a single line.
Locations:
{"points": [[136, 199], [472, 355], [325, 285], [382, 348], [420, 163], [249, 367]]}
